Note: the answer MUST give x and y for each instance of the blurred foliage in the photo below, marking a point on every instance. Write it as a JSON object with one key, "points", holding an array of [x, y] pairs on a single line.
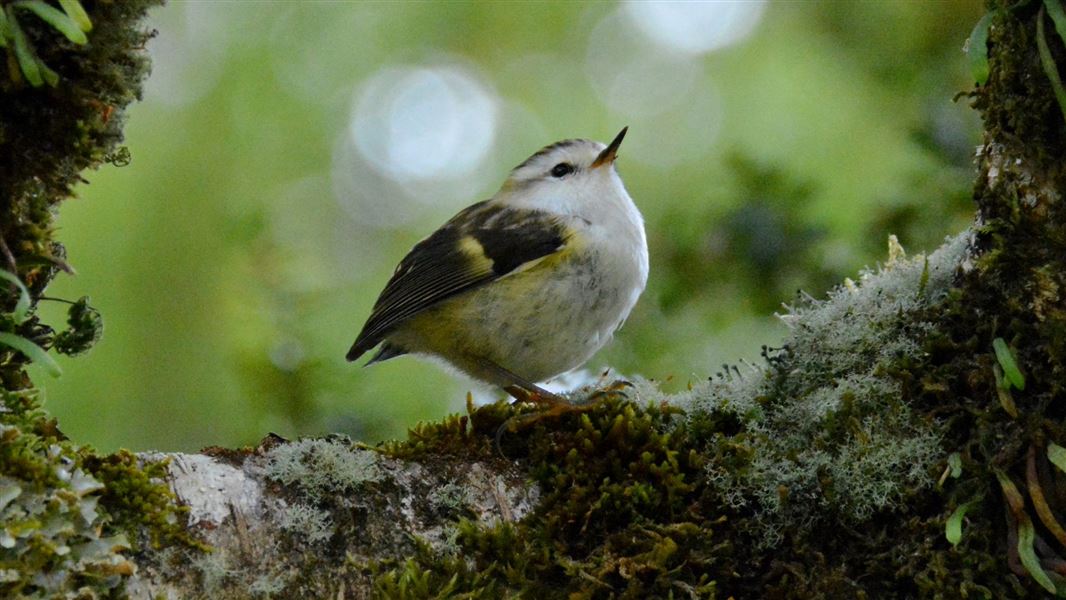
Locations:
{"points": [[762, 245], [233, 270]]}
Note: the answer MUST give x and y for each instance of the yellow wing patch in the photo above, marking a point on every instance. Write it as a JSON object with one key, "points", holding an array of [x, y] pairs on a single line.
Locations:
{"points": [[475, 253]]}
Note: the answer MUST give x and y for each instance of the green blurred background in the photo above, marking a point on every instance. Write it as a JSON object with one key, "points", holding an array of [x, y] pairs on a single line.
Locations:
{"points": [[286, 155]]}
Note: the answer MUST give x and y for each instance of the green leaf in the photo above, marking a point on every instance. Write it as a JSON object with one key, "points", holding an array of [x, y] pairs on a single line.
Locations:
{"points": [[23, 52], [977, 49], [22, 308], [955, 462], [5, 31], [1026, 532], [55, 18], [1048, 62], [31, 351], [1026, 537], [1010, 491], [1003, 392], [50, 76], [1011, 372], [1058, 16], [1057, 455], [77, 13], [953, 526]]}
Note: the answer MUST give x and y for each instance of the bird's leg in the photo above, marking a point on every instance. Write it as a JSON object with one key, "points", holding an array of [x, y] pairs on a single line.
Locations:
{"points": [[524, 390], [520, 388], [554, 407]]}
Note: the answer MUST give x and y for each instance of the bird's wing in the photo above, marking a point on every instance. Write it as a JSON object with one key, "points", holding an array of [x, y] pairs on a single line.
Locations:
{"points": [[480, 244]]}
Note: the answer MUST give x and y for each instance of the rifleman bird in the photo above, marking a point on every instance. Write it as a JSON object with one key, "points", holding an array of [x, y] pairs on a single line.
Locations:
{"points": [[527, 285]]}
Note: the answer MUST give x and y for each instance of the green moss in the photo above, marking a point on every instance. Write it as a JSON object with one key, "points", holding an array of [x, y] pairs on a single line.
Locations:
{"points": [[85, 326], [412, 581], [48, 136], [1014, 292], [467, 435], [68, 518], [138, 498], [618, 509]]}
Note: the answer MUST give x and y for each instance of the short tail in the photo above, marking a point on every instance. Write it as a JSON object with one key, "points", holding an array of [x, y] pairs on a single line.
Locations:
{"points": [[386, 352], [357, 350]]}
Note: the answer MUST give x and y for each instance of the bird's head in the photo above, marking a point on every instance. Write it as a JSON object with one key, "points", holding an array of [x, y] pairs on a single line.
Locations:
{"points": [[566, 174]]}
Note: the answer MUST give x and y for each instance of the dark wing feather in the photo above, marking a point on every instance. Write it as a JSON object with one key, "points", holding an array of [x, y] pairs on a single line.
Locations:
{"points": [[448, 263]]}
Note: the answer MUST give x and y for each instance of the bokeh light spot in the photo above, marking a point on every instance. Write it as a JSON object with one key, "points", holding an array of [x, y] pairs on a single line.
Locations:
{"points": [[419, 123], [635, 78], [696, 27]]}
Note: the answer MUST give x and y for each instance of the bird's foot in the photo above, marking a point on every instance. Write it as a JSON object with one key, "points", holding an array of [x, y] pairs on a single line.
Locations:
{"points": [[615, 390], [554, 405], [550, 406], [534, 394]]}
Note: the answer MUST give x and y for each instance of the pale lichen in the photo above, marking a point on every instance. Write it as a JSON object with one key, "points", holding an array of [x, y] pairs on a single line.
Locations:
{"points": [[308, 522], [322, 467], [825, 430]]}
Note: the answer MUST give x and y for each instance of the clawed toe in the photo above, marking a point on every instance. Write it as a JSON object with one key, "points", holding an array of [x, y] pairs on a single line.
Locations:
{"points": [[615, 390], [534, 395], [554, 405]]}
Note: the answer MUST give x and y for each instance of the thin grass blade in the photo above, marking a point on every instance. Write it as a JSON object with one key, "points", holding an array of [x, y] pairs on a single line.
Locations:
{"points": [[31, 351]]}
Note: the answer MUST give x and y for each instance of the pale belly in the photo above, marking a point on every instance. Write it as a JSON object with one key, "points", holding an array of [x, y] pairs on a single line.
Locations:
{"points": [[537, 323]]}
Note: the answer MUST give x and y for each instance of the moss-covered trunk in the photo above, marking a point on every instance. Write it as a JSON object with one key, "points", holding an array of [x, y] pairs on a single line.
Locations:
{"points": [[1006, 422], [904, 443]]}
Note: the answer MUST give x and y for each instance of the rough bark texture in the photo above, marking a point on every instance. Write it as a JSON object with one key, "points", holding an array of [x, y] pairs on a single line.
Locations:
{"points": [[928, 390]]}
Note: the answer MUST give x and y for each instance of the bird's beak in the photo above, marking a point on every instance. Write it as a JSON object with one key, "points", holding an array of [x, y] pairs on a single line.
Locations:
{"points": [[611, 151]]}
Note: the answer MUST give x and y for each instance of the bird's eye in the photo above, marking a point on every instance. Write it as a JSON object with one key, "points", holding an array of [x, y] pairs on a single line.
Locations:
{"points": [[562, 170]]}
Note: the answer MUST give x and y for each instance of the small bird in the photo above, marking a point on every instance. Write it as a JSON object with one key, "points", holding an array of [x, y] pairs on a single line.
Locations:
{"points": [[524, 286]]}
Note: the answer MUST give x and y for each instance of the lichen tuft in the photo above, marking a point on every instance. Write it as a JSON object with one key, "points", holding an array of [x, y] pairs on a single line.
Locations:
{"points": [[322, 467]]}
